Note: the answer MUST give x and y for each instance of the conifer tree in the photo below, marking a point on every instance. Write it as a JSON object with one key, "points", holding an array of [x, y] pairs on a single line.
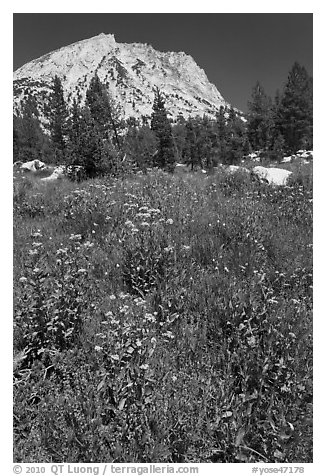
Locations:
{"points": [[190, 152], [160, 125], [294, 117], [58, 116], [260, 122], [104, 111], [140, 145], [221, 134], [95, 155], [236, 138], [205, 142], [28, 136]]}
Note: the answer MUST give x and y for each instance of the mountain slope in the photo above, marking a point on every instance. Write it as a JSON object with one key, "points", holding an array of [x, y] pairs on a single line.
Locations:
{"points": [[130, 72]]}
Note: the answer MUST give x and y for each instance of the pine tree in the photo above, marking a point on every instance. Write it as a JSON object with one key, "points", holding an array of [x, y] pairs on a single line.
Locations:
{"points": [[260, 122], [235, 139], [190, 153], [160, 125], [205, 142], [294, 117], [140, 145], [104, 111], [74, 132], [58, 116], [95, 155], [28, 136], [222, 134]]}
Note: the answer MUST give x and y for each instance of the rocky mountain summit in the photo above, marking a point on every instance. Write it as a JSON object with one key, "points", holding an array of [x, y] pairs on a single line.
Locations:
{"points": [[129, 71]]}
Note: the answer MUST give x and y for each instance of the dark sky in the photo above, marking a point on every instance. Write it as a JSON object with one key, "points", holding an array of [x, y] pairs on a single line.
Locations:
{"points": [[235, 50]]}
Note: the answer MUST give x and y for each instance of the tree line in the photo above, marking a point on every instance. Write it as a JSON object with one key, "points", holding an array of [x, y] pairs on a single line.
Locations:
{"points": [[93, 133]]}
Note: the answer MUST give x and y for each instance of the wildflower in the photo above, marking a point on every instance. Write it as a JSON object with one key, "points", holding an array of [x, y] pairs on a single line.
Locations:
{"points": [[23, 279], [82, 270], [149, 317], [62, 251], [109, 314], [36, 245], [36, 235], [138, 343], [123, 296], [144, 366], [144, 223], [168, 249], [251, 341], [114, 357], [75, 237], [32, 252], [36, 270], [168, 334], [169, 221], [98, 348], [186, 247], [112, 297], [124, 309], [174, 378]]}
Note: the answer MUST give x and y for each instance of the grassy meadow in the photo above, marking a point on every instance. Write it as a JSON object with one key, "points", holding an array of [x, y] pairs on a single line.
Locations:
{"points": [[163, 318]]}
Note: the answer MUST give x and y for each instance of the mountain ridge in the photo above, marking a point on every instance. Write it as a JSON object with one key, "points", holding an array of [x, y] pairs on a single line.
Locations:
{"points": [[130, 71]]}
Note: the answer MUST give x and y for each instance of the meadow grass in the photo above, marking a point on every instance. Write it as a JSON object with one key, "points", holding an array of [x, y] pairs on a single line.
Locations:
{"points": [[163, 318]]}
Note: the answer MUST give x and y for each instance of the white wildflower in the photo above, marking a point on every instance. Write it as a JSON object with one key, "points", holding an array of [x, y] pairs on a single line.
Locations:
{"points": [[75, 237], [144, 366], [149, 317]]}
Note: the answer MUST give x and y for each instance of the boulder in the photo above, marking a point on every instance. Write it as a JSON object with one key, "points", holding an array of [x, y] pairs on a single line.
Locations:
{"points": [[73, 172], [272, 175], [33, 165], [58, 173], [286, 159]]}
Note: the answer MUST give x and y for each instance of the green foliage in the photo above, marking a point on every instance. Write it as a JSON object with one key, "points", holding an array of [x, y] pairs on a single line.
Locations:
{"points": [[140, 145], [231, 137], [51, 300], [294, 116], [161, 126], [29, 141], [104, 112], [58, 116], [260, 123], [160, 318]]}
